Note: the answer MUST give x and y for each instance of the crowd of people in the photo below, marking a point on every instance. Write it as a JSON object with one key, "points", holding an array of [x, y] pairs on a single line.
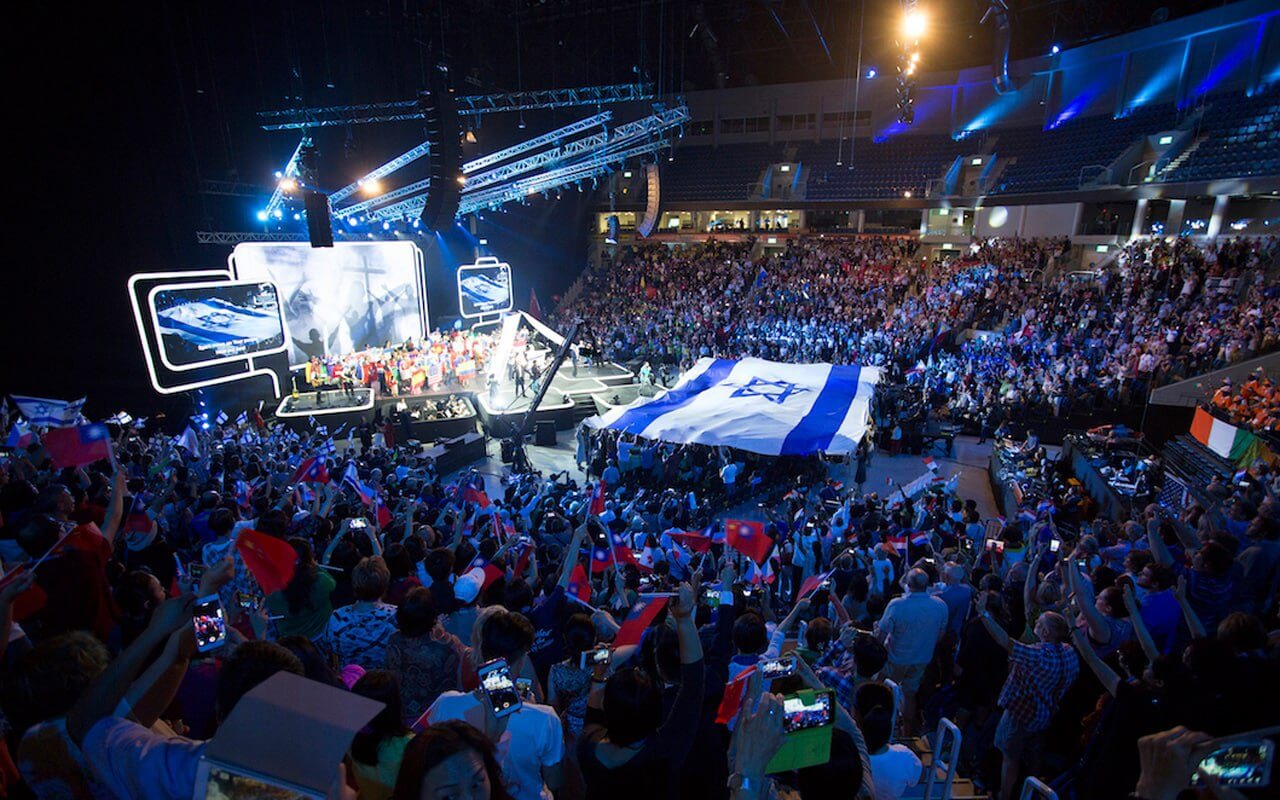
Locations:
{"points": [[662, 626], [1049, 340], [1255, 405], [1059, 652]]}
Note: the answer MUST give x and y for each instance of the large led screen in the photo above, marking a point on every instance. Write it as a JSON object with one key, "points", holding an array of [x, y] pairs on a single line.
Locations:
{"points": [[199, 324], [484, 288], [340, 299]]}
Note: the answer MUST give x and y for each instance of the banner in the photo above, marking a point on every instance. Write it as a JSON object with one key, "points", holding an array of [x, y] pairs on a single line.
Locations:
{"points": [[756, 405]]}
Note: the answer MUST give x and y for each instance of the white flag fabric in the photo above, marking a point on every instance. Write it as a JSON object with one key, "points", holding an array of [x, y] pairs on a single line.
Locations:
{"points": [[51, 413], [188, 440], [756, 405]]}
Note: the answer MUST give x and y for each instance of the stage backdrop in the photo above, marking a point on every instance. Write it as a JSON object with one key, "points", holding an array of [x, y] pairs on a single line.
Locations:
{"points": [[342, 298], [756, 405]]}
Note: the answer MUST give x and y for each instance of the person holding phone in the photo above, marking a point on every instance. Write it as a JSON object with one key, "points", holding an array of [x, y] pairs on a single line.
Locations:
{"points": [[569, 682], [629, 747]]}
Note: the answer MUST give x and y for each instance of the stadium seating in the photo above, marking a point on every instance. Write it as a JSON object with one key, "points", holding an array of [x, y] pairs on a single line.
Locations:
{"points": [[1242, 139], [730, 172], [879, 169]]}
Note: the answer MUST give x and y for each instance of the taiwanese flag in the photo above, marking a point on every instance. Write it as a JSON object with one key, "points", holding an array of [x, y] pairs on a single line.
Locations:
{"points": [[523, 560], [760, 575], [75, 447], [748, 537], [380, 512], [313, 470], [694, 541], [642, 615], [601, 559], [489, 572], [472, 494], [811, 583], [597, 500], [622, 553], [734, 693], [579, 584], [270, 560]]}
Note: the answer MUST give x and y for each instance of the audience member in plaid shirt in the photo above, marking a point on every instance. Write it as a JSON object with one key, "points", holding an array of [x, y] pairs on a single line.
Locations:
{"points": [[1039, 675], [853, 658]]}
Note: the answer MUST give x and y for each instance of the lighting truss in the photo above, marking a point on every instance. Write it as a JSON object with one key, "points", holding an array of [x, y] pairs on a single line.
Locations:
{"points": [[386, 169], [417, 187], [595, 155], [400, 110], [290, 171], [552, 137], [235, 237]]}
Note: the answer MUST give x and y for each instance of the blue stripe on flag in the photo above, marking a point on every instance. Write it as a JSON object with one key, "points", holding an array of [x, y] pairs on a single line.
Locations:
{"points": [[818, 427], [637, 419]]}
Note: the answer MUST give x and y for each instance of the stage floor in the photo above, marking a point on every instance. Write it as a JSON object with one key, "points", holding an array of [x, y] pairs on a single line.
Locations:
{"points": [[565, 388]]}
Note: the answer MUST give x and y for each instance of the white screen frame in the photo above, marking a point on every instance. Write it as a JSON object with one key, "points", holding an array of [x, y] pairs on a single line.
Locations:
{"points": [[155, 323], [486, 263]]}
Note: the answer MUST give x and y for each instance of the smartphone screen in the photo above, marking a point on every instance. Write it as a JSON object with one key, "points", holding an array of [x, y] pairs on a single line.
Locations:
{"points": [[495, 679], [248, 602], [358, 524], [1054, 545], [525, 687], [798, 715], [711, 597], [594, 658], [196, 571], [773, 668], [209, 623], [1239, 765]]}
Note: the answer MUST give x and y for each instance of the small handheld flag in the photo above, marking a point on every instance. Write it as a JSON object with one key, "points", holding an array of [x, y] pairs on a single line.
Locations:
{"points": [[642, 615]]}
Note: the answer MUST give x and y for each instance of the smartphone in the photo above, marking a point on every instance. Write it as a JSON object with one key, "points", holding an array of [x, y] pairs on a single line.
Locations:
{"points": [[1241, 764], [966, 544], [711, 598], [774, 668], [248, 602], [196, 571], [1082, 564], [525, 687], [358, 524], [594, 658], [748, 590], [797, 715], [1054, 545], [995, 546], [495, 679], [209, 624]]}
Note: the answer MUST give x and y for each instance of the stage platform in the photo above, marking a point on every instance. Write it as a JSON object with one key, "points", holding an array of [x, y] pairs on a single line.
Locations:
{"points": [[568, 401], [335, 409]]}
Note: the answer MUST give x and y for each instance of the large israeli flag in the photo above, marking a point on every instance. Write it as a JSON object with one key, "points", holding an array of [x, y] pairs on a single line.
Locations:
{"points": [[756, 405], [49, 413]]}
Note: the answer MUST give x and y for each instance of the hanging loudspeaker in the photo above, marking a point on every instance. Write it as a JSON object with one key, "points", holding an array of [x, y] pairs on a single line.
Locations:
{"points": [[652, 201], [319, 227], [440, 115]]}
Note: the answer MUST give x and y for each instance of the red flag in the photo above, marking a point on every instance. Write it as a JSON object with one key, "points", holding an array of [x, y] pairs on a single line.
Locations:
{"points": [[31, 600], [471, 494], [311, 470], [597, 499], [898, 543], [734, 692], [271, 560], [811, 584], [694, 541], [579, 585], [748, 537], [641, 617], [535, 308], [75, 447], [523, 560], [601, 559]]}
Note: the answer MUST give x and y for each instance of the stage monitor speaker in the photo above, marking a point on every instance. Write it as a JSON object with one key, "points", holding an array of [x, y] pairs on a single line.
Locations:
{"points": [[544, 434], [508, 451], [319, 226], [440, 115], [652, 200]]}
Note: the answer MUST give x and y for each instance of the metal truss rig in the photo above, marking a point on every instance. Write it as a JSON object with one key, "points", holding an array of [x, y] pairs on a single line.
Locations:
{"points": [[400, 110], [235, 237]]}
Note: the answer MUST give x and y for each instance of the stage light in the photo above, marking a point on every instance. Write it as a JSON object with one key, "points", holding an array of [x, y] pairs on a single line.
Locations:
{"points": [[1053, 51], [279, 214], [914, 24], [871, 73], [462, 180], [279, 174], [297, 216], [484, 242], [907, 194], [262, 216], [288, 185], [386, 226], [371, 187], [352, 221]]}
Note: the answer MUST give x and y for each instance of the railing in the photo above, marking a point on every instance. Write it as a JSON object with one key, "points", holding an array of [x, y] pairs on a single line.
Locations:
{"points": [[1149, 164], [1097, 172]]}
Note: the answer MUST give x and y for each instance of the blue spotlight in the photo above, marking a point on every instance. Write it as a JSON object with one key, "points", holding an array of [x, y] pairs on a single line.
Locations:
{"points": [[1053, 51], [386, 226], [262, 216], [871, 73], [352, 221]]}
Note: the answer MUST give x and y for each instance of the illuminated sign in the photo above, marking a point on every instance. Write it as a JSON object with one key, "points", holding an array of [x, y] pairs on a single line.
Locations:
{"points": [[484, 288]]}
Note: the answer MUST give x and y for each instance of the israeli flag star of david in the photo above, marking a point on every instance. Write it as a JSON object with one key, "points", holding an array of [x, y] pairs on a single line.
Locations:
{"points": [[756, 405]]}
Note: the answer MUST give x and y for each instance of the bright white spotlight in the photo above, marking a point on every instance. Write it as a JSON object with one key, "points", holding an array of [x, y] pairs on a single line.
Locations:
{"points": [[871, 73], [1053, 51], [907, 194], [371, 187], [288, 185], [914, 24], [262, 216]]}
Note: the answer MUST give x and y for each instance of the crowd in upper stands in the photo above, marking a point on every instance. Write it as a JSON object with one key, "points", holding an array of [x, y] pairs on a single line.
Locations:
{"points": [[1064, 340], [1255, 405]]}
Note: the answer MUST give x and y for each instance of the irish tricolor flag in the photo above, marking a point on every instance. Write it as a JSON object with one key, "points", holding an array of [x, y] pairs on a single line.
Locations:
{"points": [[1234, 444]]}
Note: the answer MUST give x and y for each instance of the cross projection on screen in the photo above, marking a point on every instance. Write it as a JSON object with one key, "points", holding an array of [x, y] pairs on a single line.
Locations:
{"points": [[206, 323], [340, 299]]}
